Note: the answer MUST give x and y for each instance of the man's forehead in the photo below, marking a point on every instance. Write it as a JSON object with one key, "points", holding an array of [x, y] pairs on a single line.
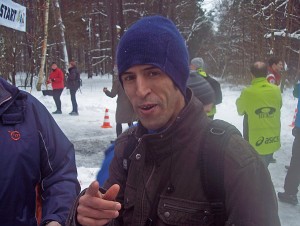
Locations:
{"points": [[143, 67]]}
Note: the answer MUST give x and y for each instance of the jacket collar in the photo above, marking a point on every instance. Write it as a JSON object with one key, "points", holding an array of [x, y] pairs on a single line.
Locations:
{"points": [[258, 80], [12, 105], [4, 94]]}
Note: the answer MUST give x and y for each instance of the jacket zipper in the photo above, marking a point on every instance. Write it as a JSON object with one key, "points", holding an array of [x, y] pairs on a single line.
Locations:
{"points": [[144, 192]]}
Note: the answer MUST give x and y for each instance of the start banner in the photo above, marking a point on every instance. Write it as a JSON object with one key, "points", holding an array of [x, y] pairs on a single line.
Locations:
{"points": [[12, 15]]}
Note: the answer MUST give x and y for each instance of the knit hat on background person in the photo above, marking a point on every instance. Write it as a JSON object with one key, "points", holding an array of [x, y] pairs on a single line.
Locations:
{"points": [[198, 62], [201, 89], [156, 41]]}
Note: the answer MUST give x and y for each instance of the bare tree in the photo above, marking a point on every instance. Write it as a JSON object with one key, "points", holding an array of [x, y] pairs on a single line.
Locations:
{"points": [[44, 47], [59, 21]]}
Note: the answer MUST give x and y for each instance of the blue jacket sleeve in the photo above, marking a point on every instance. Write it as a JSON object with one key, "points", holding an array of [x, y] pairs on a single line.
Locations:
{"points": [[104, 170], [59, 184]]}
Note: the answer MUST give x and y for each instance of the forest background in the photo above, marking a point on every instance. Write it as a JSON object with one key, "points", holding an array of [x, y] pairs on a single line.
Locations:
{"points": [[229, 37]]}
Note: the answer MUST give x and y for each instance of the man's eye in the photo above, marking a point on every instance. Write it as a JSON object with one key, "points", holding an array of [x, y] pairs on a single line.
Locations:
{"points": [[154, 73], [127, 78]]}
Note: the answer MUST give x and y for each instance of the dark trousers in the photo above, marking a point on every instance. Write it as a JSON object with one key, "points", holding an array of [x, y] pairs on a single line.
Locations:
{"points": [[119, 128], [56, 97], [292, 179], [73, 100]]}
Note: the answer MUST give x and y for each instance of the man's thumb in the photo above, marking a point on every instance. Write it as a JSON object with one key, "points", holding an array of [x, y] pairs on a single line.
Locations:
{"points": [[112, 192], [93, 190]]}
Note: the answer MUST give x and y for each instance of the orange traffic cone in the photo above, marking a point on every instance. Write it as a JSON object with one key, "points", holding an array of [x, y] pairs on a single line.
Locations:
{"points": [[294, 118], [106, 123]]}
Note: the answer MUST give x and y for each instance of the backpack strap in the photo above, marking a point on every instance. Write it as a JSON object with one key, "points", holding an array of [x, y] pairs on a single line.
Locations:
{"points": [[217, 135]]}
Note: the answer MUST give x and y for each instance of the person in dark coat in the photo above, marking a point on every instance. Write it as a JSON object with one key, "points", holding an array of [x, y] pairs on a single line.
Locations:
{"points": [[34, 152], [197, 68], [73, 84], [202, 90], [162, 185], [56, 78], [124, 111]]}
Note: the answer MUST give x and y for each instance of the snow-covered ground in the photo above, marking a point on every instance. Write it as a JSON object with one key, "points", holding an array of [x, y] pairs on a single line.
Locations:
{"points": [[90, 140]]}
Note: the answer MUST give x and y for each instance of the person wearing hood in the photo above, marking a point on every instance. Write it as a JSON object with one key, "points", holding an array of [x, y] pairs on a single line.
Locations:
{"points": [[34, 153]]}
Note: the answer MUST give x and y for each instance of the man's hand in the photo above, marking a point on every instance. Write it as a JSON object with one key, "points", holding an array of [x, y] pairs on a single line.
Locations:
{"points": [[96, 208], [104, 89]]}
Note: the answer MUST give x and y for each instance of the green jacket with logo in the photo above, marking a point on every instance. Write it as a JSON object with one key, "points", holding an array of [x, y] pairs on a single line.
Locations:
{"points": [[260, 104]]}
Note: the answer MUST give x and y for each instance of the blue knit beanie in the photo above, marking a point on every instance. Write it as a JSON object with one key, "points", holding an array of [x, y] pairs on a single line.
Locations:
{"points": [[156, 41]]}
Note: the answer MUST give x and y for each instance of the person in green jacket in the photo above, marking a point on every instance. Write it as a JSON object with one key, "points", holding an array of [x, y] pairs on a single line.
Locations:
{"points": [[260, 105]]}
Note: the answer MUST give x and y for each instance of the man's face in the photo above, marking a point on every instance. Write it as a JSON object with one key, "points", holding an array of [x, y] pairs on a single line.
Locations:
{"points": [[153, 95], [53, 66], [278, 67], [193, 67]]}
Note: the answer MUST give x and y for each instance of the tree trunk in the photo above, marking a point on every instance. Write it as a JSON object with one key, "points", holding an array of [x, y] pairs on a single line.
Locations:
{"points": [[272, 28], [44, 47], [111, 9], [59, 22], [121, 21], [286, 43]]}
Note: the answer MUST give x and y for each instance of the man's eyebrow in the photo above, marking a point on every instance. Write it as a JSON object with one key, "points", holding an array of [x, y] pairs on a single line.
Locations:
{"points": [[144, 69], [126, 73]]}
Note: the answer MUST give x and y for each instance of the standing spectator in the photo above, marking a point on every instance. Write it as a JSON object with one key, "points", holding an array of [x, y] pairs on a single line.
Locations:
{"points": [[274, 77], [202, 90], [34, 153], [197, 68], [73, 83], [292, 179], [56, 78], [260, 105], [124, 111], [274, 69], [162, 185]]}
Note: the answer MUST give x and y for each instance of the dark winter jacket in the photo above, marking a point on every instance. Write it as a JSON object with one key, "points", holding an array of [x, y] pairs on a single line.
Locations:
{"points": [[124, 111], [296, 93], [172, 157], [201, 88], [73, 81], [56, 78], [215, 85], [33, 150]]}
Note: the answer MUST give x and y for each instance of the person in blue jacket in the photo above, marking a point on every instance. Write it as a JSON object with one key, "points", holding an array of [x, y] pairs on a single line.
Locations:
{"points": [[34, 152], [292, 179], [103, 173]]}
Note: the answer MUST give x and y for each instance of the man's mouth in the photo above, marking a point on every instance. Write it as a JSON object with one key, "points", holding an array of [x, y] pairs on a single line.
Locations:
{"points": [[147, 107]]}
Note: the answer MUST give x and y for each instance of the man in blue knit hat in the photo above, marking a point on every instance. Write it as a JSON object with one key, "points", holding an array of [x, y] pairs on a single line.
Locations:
{"points": [[158, 182]]}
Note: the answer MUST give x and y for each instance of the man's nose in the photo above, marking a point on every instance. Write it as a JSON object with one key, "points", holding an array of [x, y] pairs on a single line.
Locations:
{"points": [[142, 87]]}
